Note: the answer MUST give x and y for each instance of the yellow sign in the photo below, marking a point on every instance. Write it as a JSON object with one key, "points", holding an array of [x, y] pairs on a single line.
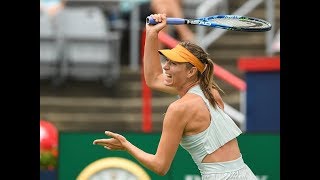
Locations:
{"points": [[114, 168]]}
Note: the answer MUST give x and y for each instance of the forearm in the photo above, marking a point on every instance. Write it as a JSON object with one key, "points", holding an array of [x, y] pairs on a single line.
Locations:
{"points": [[151, 59], [152, 67], [118, 142], [148, 160]]}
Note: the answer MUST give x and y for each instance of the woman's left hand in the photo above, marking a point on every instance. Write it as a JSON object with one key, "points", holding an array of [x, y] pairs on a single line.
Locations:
{"points": [[117, 142]]}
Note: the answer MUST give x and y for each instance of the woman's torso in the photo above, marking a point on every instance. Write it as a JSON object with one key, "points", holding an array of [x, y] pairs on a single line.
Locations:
{"points": [[199, 120]]}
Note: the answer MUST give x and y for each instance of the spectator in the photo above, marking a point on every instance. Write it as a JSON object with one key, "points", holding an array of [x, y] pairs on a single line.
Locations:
{"points": [[173, 9], [52, 7]]}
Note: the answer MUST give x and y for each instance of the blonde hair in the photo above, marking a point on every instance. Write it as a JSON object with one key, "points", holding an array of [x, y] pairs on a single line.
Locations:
{"points": [[206, 79]]}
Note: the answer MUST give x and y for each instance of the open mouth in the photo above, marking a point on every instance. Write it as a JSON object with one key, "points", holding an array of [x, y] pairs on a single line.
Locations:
{"points": [[168, 75]]}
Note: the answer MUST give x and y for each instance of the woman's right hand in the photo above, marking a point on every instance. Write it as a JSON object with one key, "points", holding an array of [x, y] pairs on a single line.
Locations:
{"points": [[116, 142], [162, 22]]}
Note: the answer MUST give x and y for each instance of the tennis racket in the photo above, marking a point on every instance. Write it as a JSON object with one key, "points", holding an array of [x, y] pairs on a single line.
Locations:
{"points": [[228, 22]]}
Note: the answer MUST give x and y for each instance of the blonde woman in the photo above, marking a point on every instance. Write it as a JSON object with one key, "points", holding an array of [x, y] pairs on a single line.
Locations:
{"points": [[196, 121]]}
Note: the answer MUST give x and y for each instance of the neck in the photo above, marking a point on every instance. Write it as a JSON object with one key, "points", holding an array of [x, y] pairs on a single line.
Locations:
{"points": [[186, 88]]}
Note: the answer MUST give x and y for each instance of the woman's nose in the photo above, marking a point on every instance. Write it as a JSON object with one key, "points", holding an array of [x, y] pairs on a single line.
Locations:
{"points": [[165, 65]]}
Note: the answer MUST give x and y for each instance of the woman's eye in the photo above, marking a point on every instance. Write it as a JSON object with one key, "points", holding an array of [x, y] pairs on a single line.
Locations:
{"points": [[167, 61], [171, 62]]}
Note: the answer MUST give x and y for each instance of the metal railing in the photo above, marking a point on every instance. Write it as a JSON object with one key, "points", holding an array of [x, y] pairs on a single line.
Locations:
{"points": [[208, 8]]}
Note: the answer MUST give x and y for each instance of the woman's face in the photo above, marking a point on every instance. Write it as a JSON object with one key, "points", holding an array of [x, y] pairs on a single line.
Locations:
{"points": [[175, 74]]}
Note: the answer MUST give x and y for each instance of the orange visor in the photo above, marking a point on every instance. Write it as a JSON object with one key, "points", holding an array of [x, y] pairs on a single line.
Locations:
{"points": [[181, 54]]}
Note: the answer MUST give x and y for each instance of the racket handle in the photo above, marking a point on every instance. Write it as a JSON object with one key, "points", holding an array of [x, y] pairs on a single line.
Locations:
{"points": [[174, 21]]}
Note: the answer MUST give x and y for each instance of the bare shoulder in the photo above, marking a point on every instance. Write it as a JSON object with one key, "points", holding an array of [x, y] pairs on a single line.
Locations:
{"points": [[180, 111], [175, 115], [176, 106], [186, 103]]}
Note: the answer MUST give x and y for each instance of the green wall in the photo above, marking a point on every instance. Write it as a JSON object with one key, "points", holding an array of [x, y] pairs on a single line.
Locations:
{"points": [[261, 152]]}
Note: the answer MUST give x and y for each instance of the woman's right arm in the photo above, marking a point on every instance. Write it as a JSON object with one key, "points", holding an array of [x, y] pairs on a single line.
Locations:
{"points": [[172, 131], [153, 72]]}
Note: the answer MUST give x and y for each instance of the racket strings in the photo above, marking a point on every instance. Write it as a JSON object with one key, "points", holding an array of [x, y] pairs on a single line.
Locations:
{"points": [[246, 23]]}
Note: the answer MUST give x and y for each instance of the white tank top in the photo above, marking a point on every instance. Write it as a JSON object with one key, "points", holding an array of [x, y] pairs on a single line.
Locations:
{"points": [[221, 130]]}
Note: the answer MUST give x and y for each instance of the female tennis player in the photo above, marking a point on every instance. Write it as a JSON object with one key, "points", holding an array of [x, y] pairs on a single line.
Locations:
{"points": [[196, 121]]}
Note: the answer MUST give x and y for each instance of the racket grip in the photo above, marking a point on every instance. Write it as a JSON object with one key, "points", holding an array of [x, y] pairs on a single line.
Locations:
{"points": [[173, 21]]}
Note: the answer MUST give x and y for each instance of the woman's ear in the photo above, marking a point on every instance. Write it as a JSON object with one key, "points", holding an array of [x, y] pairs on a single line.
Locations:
{"points": [[192, 71]]}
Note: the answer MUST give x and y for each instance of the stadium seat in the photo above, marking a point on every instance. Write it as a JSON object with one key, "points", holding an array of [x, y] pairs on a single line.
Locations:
{"points": [[91, 51], [49, 49]]}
